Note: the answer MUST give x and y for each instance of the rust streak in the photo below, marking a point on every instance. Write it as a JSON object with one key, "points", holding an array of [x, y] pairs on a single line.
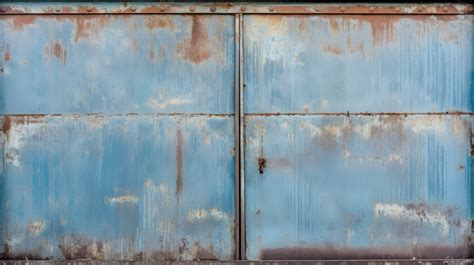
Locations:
{"points": [[179, 163], [196, 48], [7, 124], [6, 56], [158, 22], [57, 51]]}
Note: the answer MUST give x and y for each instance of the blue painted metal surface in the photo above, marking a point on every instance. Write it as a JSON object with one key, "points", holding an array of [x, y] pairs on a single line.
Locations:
{"points": [[388, 63], [150, 175], [323, 185]]}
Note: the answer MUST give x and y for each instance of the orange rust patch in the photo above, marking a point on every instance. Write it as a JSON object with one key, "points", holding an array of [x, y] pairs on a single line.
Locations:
{"points": [[85, 26], [7, 124], [157, 22], [196, 48], [20, 22], [333, 49], [56, 50], [6, 56]]}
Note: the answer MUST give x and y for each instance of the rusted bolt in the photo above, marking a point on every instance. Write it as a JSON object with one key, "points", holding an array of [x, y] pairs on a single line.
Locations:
{"points": [[271, 9], [243, 9], [57, 10], [397, 9], [445, 9], [162, 8], [89, 9], [213, 9], [133, 9], [420, 9], [192, 8], [371, 9], [342, 8]]}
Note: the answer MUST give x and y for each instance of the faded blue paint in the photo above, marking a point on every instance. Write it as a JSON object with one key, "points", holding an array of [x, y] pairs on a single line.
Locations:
{"points": [[118, 64], [112, 181], [358, 63], [394, 184]]}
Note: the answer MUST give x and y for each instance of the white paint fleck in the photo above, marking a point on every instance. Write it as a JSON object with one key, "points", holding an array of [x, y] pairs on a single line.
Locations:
{"points": [[18, 134], [400, 212], [324, 104], [350, 234], [396, 157], [198, 214], [313, 129], [156, 104], [36, 227], [123, 199], [218, 214], [347, 153]]}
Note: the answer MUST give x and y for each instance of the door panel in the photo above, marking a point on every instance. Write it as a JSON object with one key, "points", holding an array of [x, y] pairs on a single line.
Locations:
{"points": [[119, 137], [344, 157]]}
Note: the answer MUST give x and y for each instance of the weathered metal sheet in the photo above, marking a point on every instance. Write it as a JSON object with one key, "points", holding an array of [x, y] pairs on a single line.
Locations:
{"points": [[142, 187], [390, 63], [117, 64], [358, 186]]}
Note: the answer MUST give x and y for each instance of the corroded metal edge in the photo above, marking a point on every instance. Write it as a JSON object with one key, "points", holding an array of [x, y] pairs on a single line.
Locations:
{"points": [[232, 8], [265, 262]]}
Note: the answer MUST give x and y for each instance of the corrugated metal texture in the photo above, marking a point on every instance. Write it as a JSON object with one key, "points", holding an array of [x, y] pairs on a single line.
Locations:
{"points": [[117, 64], [388, 63], [323, 185], [150, 177]]}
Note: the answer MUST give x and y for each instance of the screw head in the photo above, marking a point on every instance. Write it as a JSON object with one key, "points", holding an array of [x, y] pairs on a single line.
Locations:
{"points": [[213, 9], [342, 8]]}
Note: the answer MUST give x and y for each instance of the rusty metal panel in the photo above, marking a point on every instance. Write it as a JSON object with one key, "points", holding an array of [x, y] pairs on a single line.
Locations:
{"points": [[358, 136], [117, 64], [375, 63], [363, 186], [118, 137]]}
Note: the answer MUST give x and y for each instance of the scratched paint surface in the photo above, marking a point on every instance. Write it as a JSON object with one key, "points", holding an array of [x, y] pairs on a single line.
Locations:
{"points": [[118, 137], [359, 186], [319, 185], [358, 63], [119, 187], [117, 64]]}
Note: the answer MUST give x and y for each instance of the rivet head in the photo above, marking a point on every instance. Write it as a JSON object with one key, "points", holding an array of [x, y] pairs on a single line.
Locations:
{"points": [[133, 9], [445, 9], [342, 8], [420, 9], [192, 8], [371, 9], [57, 10], [89, 9], [271, 9], [213, 9], [316, 9], [162, 8], [243, 9], [397, 9]]}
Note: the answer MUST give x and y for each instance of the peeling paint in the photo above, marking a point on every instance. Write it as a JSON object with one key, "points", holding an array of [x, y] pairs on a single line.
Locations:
{"points": [[123, 199], [36, 227]]}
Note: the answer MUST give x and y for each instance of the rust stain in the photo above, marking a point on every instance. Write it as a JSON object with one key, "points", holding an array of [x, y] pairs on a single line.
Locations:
{"points": [[86, 27], [333, 49], [179, 163], [159, 22], [262, 164], [6, 56], [22, 21], [7, 124], [56, 50], [79, 247], [196, 48]]}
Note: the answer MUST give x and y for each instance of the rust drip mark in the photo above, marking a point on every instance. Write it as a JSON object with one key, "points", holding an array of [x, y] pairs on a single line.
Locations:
{"points": [[79, 247], [179, 163], [196, 48], [471, 142], [85, 26], [56, 50], [7, 124], [6, 56], [159, 22], [262, 163]]}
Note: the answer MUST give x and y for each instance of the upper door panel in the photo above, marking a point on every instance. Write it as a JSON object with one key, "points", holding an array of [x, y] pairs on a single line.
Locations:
{"points": [[388, 63], [117, 64]]}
